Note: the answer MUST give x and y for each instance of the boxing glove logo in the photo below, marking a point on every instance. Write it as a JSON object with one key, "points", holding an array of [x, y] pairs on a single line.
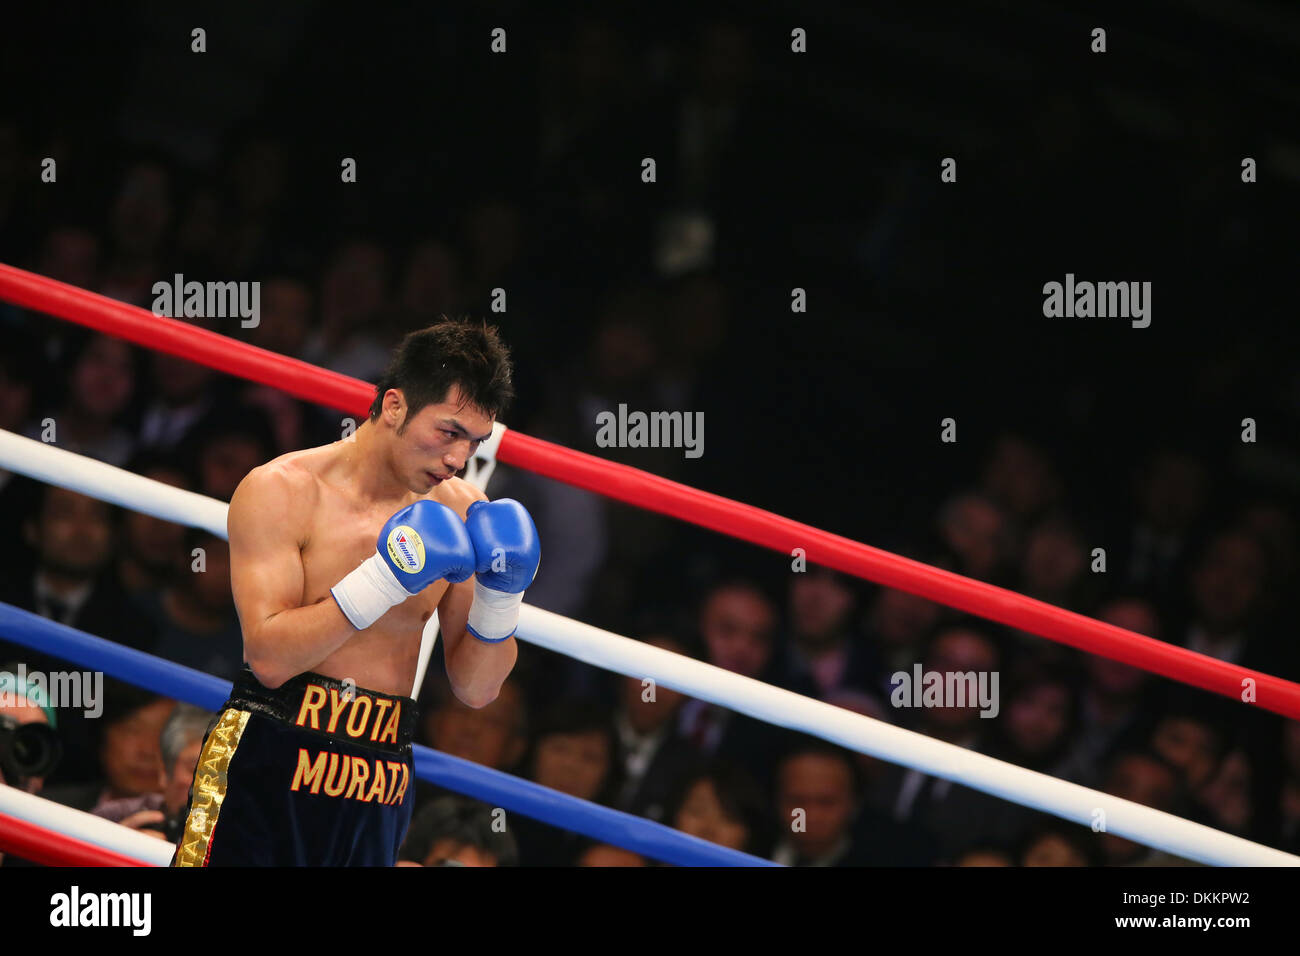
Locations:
{"points": [[406, 549]]}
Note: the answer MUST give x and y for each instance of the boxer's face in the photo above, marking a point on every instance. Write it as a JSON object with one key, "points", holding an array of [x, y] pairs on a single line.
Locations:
{"points": [[436, 442]]}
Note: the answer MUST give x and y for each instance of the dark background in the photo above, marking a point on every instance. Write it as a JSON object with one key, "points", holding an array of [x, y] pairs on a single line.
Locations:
{"points": [[924, 298]]}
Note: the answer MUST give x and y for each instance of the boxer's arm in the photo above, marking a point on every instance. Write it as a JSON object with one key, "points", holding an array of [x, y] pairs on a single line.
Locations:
{"points": [[475, 670], [265, 522]]}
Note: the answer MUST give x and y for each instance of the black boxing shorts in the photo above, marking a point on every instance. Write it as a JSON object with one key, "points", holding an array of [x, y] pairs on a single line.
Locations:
{"points": [[314, 773]]}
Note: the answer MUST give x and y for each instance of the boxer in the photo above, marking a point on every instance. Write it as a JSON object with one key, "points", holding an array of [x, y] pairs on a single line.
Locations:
{"points": [[338, 556]]}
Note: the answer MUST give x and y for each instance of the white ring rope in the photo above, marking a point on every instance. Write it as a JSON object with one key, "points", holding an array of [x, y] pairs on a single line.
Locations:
{"points": [[54, 466], [609, 651], [84, 826]]}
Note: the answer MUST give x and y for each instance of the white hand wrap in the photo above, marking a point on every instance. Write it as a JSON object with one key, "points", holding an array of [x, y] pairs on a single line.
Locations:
{"points": [[368, 592], [494, 615]]}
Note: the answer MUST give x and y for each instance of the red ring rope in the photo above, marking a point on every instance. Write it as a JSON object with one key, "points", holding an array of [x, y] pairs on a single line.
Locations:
{"points": [[644, 490], [30, 841]]}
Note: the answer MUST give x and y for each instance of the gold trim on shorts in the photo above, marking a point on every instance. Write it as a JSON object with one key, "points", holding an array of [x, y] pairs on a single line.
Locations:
{"points": [[209, 789]]}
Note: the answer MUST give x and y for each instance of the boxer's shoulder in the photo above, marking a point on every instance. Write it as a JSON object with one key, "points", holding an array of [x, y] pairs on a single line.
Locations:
{"points": [[290, 484], [457, 494]]}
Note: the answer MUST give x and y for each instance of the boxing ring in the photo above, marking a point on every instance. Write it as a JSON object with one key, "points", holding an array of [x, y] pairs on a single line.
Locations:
{"points": [[40, 830]]}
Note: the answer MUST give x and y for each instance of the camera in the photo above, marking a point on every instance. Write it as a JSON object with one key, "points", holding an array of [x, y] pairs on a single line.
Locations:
{"points": [[27, 750]]}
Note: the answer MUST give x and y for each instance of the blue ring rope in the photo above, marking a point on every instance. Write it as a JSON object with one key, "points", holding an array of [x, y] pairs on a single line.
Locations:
{"points": [[482, 783]]}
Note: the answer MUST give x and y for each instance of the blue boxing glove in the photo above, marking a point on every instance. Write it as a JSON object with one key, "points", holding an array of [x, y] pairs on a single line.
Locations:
{"points": [[422, 543], [507, 555]]}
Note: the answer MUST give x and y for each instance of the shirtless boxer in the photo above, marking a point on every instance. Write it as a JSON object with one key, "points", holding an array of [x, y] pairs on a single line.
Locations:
{"points": [[338, 556]]}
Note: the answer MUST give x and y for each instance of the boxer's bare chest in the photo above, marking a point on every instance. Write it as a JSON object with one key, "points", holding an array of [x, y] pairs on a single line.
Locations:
{"points": [[341, 533]]}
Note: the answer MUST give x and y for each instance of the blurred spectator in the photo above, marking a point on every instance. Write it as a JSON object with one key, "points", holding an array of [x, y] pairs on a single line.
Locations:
{"points": [[1148, 779], [129, 750], [984, 856], [1037, 722], [1227, 799], [573, 751], [1289, 797], [650, 754], [1273, 525], [1228, 584], [353, 290], [824, 652], [73, 538], [20, 373], [1111, 711], [152, 552], [256, 180], [492, 736], [430, 283], [699, 310], [1171, 491], [70, 254], [898, 624], [1021, 479], [182, 393], [225, 445], [492, 229], [181, 745], [139, 220], [819, 801], [162, 814], [1060, 844], [454, 831], [974, 531], [285, 322], [737, 623], [101, 379], [1192, 735], [721, 803], [195, 617], [286, 315], [604, 854], [955, 815], [1054, 566]]}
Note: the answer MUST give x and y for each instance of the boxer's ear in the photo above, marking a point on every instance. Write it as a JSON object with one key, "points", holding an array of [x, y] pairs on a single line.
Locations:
{"points": [[394, 409]]}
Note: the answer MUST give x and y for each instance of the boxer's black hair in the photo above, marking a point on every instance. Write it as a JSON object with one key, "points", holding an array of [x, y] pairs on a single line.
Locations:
{"points": [[454, 352]]}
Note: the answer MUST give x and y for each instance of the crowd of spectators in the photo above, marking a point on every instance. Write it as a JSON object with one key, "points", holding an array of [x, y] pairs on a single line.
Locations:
{"points": [[617, 298]]}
